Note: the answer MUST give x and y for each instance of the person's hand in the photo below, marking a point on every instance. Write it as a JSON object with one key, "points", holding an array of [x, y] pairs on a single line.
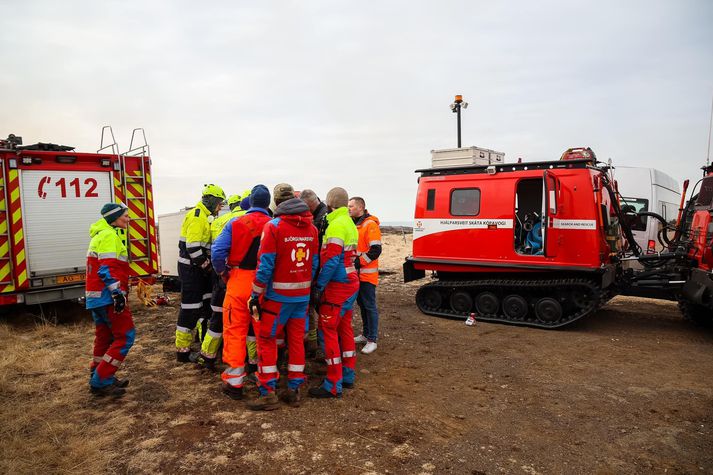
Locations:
{"points": [[119, 301], [225, 276], [206, 265], [254, 307]]}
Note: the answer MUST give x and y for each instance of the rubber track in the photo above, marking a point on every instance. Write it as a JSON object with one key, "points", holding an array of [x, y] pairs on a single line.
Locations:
{"points": [[520, 287]]}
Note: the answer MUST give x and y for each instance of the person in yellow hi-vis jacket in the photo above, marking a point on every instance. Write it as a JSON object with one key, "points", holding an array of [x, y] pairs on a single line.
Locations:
{"points": [[194, 268]]}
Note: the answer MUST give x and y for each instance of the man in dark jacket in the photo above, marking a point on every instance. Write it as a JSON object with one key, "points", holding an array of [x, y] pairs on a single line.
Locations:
{"points": [[319, 212]]}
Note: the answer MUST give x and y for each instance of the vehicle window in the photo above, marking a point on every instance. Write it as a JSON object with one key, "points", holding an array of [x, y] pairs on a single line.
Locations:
{"points": [[431, 200], [631, 206], [465, 202], [670, 212], [705, 196]]}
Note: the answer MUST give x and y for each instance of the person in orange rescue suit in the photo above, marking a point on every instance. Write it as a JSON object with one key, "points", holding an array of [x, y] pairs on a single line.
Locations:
{"points": [[287, 262], [107, 286], [334, 293], [235, 260], [367, 265], [194, 270], [214, 334]]}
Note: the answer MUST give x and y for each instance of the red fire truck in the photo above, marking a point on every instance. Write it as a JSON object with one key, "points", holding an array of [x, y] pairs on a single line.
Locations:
{"points": [[542, 244], [49, 196]]}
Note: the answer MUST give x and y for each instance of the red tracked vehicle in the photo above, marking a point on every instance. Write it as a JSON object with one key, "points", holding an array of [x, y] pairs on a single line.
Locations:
{"points": [[542, 244]]}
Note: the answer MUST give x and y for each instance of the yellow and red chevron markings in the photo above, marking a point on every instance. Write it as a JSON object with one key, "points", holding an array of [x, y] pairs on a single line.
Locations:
{"points": [[11, 216], [141, 236]]}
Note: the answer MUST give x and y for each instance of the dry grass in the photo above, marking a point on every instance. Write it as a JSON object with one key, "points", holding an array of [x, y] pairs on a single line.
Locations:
{"points": [[51, 424]]}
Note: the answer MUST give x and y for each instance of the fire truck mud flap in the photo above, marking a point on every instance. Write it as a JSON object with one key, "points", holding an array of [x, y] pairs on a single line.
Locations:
{"points": [[411, 273]]}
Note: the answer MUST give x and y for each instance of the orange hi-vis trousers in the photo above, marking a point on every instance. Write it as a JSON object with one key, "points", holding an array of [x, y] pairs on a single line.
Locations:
{"points": [[236, 322]]}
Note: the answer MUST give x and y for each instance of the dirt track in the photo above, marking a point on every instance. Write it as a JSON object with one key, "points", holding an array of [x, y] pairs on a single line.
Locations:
{"points": [[628, 390]]}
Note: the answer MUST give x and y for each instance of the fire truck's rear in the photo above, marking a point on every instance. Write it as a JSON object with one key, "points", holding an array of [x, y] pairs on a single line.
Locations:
{"points": [[49, 196]]}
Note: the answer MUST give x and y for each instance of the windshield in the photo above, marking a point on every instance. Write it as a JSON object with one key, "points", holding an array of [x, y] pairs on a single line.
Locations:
{"points": [[632, 206]]}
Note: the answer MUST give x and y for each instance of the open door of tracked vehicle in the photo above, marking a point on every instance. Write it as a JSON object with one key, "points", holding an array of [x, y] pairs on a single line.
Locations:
{"points": [[550, 209]]}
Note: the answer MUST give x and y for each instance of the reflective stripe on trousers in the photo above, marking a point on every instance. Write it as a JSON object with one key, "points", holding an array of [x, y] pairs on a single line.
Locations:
{"points": [[234, 376]]}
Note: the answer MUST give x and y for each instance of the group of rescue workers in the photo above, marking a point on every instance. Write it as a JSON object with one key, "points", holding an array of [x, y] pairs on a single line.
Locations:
{"points": [[256, 282]]}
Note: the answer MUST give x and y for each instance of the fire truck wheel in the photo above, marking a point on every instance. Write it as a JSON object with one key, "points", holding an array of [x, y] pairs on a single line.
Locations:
{"points": [[461, 302], [515, 307], [487, 303], [548, 310]]}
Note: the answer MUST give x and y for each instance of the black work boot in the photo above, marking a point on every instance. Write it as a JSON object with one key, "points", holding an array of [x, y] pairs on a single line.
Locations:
{"points": [[206, 363], [233, 392], [183, 357], [121, 383], [266, 402], [346, 385], [292, 397], [320, 393], [111, 390]]}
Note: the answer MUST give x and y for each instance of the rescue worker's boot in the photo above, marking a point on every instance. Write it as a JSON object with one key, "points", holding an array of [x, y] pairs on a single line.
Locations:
{"points": [[206, 363], [266, 402], [232, 392], [120, 383], [292, 397], [320, 393], [346, 385], [111, 390], [183, 357]]}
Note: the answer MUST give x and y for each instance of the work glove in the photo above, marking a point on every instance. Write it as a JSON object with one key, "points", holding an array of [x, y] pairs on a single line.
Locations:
{"points": [[315, 297], [206, 266], [119, 301], [254, 307]]}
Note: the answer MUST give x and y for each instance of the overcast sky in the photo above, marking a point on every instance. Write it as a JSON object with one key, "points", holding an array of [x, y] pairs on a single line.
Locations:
{"points": [[356, 94]]}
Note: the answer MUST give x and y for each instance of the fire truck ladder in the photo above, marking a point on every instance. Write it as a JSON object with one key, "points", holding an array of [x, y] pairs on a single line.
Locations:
{"points": [[5, 241], [139, 182]]}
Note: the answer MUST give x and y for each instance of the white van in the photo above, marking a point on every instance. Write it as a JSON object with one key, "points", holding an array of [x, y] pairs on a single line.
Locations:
{"points": [[648, 189]]}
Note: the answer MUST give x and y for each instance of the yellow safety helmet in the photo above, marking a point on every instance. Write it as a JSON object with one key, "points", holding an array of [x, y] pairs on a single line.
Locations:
{"points": [[214, 190], [234, 199]]}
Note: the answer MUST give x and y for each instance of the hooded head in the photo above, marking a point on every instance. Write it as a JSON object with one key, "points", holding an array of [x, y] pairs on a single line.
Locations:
{"points": [[260, 197], [245, 203], [337, 198]]}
